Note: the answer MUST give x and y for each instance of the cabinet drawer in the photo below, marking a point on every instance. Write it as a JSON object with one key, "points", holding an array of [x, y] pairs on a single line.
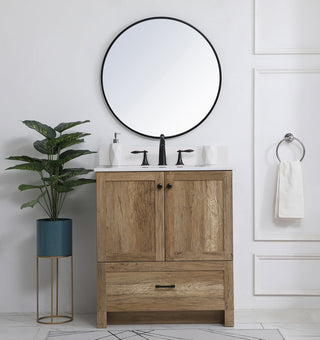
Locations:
{"points": [[160, 291]]}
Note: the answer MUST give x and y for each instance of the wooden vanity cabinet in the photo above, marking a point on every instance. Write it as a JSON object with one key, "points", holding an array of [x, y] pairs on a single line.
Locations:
{"points": [[164, 247]]}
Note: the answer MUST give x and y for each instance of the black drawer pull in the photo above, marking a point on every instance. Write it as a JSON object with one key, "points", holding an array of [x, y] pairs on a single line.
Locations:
{"points": [[165, 286]]}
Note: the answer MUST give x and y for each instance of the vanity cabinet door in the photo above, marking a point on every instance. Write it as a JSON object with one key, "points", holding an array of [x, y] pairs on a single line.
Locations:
{"points": [[198, 217], [130, 216]]}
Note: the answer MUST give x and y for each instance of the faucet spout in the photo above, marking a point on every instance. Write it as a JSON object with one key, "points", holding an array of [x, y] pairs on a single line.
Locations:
{"points": [[162, 151]]}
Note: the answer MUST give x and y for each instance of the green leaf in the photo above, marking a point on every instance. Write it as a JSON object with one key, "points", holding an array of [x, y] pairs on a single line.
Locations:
{"points": [[32, 203], [33, 166], [52, 146], [53, 179], [46, 146], [24, 187], [64, 126], [53, 167], [64, 141], [66, 144], [68, 185], [71, 154], [24, 159], [80, 181], [43, 129], [72, 172], [62, 188]]}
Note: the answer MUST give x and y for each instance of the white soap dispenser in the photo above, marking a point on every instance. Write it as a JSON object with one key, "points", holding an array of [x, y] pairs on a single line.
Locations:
{"points": [[115, 151]]}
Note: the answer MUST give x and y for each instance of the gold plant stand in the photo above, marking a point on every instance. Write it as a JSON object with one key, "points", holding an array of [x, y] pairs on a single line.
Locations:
{"points": [[50, 319]]}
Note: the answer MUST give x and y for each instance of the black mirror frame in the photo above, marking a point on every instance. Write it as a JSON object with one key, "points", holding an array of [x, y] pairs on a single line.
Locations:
{"points": [[136, 23]]}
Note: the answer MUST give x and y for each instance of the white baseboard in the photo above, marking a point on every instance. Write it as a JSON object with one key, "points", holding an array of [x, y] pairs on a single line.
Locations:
{"points": [[277, 315], [242, 316]]}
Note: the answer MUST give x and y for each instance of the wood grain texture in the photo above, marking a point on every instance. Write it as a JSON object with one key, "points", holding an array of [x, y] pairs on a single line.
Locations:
{"points": [[187, 284], [193, 290], [228, 283], [166, 317], [159, 218], [180, 236], [101, 284], [228, 216], [164, 304], [229, 318], [130, 217], [101, 305], [228, 277], [101, 319], [197, 215], [163, 266]]}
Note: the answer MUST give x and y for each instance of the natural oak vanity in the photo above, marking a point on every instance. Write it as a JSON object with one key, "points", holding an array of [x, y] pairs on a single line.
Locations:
{"points": [[164, 246]]}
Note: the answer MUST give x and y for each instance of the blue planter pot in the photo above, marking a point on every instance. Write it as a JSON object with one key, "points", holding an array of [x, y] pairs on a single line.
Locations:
{"points": [[54, 238]]}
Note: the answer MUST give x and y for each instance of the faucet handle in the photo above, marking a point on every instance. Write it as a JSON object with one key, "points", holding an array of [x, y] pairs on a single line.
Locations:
{"points": [[179, 161], [145, 158]]}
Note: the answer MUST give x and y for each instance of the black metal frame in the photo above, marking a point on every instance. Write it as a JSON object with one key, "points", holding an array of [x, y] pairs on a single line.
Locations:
{"points": [[136, 23]]}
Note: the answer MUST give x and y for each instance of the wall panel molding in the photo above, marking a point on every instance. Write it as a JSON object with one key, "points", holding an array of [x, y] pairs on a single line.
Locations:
{"points": [[286, 27], [285, 100], [287, 274]]}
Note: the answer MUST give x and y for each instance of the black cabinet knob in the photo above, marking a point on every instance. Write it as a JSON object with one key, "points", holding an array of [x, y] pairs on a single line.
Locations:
{"points": [[159, 186], [169, 186]]}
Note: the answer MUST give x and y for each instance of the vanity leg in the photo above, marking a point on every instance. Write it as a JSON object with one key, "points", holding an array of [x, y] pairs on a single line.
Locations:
{"points": [[228, 318], [228, 279], [101, 308], [101, 319]]}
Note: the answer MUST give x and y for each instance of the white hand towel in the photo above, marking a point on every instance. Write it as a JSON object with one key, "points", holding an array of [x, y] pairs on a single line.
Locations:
{"points": [[289, 195]]}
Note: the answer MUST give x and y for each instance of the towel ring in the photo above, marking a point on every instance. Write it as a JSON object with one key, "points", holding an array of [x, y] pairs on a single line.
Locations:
{"points": [[289, 137]]}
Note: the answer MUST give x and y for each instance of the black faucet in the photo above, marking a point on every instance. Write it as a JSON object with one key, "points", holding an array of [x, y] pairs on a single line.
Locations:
{"points": [[162, 151]]}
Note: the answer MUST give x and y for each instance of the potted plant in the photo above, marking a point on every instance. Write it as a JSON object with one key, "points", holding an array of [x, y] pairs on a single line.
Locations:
{"points": [[54, 234]]}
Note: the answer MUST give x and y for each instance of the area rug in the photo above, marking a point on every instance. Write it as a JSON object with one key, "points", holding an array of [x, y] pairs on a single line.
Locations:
{"points": [[169, 334]]}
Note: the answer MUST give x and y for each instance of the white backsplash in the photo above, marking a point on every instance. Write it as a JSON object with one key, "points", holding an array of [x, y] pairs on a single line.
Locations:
{"points": [[197, 157]]}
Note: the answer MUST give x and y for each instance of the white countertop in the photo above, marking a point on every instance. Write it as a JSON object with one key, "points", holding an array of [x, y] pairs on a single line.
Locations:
{"points": [[110, 168]]}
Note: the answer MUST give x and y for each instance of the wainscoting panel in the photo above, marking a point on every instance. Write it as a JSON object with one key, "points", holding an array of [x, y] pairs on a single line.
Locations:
{"points": [[287, 275], [286, 101], [287, 26]]}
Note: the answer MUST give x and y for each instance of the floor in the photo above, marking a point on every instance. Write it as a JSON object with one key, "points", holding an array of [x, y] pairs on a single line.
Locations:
{"points": [[24, 327]]}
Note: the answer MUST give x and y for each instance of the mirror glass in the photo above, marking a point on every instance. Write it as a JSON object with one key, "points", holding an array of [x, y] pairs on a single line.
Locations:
{"points": [[161, 76]]}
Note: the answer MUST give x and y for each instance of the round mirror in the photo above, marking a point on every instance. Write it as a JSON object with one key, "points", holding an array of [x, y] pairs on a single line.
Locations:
{"points": [[161, 76]]}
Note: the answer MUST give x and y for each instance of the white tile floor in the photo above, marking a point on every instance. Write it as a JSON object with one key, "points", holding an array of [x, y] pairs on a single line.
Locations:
{"points": [[24, 327]]}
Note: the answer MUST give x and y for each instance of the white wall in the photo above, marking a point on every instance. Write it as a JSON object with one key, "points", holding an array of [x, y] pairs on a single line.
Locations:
{"points": [[50, 60]]}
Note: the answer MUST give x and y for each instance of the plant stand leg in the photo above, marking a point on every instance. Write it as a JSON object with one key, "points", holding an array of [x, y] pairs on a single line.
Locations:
{"points": [[57, 286], [71, 259], [38, 288], [51, 314]]}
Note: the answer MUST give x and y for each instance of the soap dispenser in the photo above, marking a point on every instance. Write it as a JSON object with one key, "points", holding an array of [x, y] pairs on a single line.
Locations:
{"points": [[115, 151]]}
